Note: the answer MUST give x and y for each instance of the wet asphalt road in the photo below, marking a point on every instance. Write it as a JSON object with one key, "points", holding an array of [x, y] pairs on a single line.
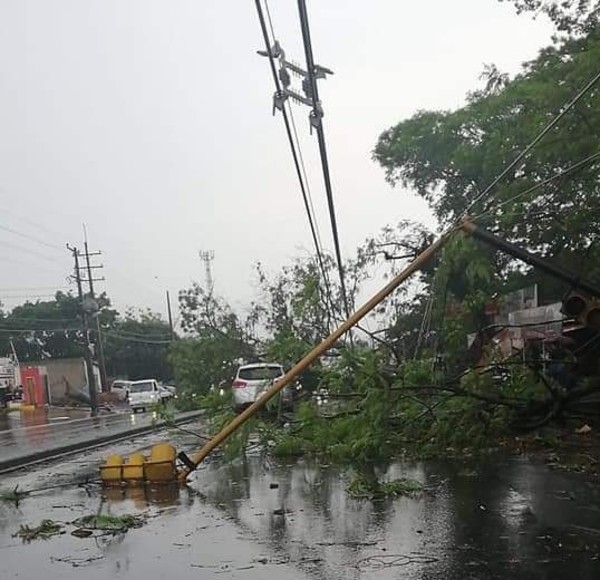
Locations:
{"points": [[260, 520], [22, 433]]}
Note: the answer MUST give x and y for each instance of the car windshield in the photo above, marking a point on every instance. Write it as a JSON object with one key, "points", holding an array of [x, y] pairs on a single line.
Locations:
{"points": [[260, 373], [141, 387]]}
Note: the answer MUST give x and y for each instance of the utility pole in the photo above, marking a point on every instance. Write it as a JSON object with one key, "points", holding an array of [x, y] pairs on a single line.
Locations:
{"points": [[87, 346], [90, 280], [207, 256], [170, 315]]}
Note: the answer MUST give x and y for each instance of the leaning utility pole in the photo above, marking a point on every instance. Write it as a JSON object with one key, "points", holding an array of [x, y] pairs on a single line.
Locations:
{"points": [[170, 314], [90, 280], [87, 351]]}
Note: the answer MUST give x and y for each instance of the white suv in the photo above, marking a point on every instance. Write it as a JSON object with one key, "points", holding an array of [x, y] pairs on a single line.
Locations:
{"points": [[143, 394], [252, 380]]}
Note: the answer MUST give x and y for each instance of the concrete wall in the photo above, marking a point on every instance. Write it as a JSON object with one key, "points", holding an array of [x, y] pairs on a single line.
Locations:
{"points": [[67, 380]]}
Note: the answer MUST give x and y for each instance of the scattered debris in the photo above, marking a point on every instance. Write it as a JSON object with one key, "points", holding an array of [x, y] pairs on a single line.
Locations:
{"points": [[392, 560], [45, 530], [583, 430], [81, 533], [108, 524], [77, 562], [363, 488], [349, 543], [14, 496]]}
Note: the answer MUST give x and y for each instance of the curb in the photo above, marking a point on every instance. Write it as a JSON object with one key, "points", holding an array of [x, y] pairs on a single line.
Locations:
{"points": [[46, 454]]}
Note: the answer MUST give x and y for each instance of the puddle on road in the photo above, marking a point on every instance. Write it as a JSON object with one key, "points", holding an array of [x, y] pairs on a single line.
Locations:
{"points": [[257, 520], [491, 521]]}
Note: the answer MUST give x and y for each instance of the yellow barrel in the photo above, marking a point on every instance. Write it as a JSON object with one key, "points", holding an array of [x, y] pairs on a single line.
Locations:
{"points": [[163, 452], [133, 468], [161, 465], [112, 469]]}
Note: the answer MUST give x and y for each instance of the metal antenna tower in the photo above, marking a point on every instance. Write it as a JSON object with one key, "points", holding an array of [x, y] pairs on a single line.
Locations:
{"points": [[207, 256]]}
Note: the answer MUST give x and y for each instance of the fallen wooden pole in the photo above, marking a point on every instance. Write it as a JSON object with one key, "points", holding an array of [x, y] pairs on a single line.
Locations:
{"points": [[312, 356]]}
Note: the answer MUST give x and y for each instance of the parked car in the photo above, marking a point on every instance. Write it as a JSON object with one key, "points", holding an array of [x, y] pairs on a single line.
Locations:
{"points": [[121, 389], [166, 393], [252, 380], [143, 394], [172, 390]]}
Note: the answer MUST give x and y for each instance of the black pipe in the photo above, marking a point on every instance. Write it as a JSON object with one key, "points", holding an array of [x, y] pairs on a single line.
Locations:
{"points": [[541, 263]]}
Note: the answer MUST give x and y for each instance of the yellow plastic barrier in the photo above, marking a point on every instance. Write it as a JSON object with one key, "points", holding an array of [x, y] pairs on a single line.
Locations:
{"points": [[112, 469], [160, 467], [133, 468]]}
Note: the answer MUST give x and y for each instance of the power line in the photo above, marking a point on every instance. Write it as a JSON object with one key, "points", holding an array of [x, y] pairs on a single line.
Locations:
{"points": [[28, 330], [32, 223], [316, 118], [306, 182], [138, 340], [31, 238], [157, 336], [536, 140], [296, 154], [24, 296], [38, 266], [31, 252], [33, 319], [22, 289], [541, 184]]}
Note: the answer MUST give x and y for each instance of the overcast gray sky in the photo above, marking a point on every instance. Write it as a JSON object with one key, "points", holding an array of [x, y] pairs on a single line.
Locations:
{"points": [[150, 121]]}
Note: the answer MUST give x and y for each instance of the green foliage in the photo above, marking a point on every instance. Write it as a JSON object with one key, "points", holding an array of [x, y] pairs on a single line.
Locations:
{"points": [[136, 346], [218, 340], [362, 487], [44, 531], [569, 16], [49, 329], [448, 157], [109, 523], [417, 415], [13, 496]]}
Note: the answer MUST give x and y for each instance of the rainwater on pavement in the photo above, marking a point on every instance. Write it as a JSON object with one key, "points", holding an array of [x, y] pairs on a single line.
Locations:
{"points": [[257, 518]]}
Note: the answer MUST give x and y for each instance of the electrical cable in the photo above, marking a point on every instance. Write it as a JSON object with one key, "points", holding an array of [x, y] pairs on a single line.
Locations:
{"points": [[535, 141], [138, 340], [317, 115], [31, 238], [306, 181], [31, 252], [561, 174], [33, 288], [28, 330], [25, 296], [297, 165]]}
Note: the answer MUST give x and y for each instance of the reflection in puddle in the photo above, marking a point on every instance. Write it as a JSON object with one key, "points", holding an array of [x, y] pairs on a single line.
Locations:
{"points": [[143, 496], [466, 526]]}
